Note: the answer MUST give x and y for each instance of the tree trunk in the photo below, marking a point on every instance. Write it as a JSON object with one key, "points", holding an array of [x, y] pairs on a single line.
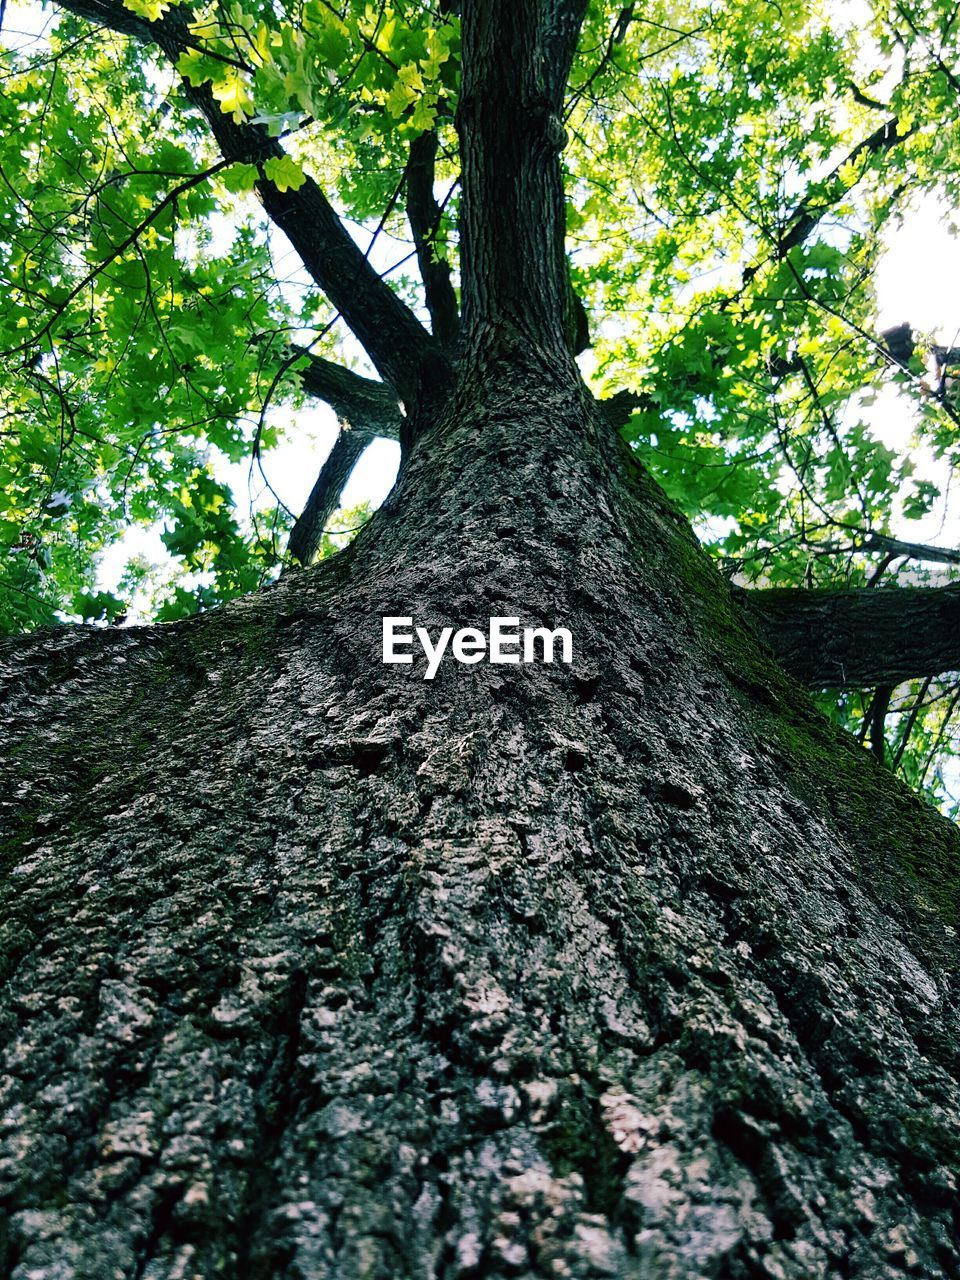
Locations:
{"points": [[315, 968]]}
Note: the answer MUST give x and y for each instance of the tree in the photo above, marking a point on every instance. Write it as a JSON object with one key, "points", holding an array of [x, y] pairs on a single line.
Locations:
{"points": [[630, 966]]}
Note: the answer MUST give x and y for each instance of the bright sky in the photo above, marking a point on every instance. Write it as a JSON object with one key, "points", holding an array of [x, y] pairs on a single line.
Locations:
{"points": [[917, 283]]}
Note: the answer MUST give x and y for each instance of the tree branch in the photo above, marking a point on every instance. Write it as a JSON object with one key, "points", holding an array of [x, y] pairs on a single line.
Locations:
{"points": [[892, 547], [807, 214], [877, 717], [562, 21], [170, 198], [423, 214], [619, 408], [862, 638], [370, 408], [306, 536], [366, 409], [811, 209], [910, 550], [387, 329]]}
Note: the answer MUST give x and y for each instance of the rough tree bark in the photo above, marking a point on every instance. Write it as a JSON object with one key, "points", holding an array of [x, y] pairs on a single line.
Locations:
{"points": [[313, 968], [859, 638]]}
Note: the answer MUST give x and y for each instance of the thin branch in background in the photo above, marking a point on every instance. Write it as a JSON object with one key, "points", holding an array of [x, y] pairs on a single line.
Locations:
{"points": [[881, 568], [952, 79], [117, 251], [911, 720], [878, 714]]}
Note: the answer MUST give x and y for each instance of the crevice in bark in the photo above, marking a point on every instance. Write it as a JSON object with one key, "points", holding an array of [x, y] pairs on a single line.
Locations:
{"points": [[578, 1141], [162, 1230], [279, 1094]]}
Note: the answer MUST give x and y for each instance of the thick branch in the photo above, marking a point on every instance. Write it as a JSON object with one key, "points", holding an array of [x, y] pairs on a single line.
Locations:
{"points": [[619, 408], [423, 214], [366, 409], [909, 550], [306, 535], [387, 329], [562, 20], [516, 59], [878, 716], [860, 638]]}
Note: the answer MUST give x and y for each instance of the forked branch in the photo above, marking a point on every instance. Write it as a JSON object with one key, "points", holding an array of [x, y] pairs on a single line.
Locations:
{"points": [[369, 407]]}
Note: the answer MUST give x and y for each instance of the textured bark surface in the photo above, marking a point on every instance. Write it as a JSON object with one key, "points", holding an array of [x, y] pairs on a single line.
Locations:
{"points": [[853, 639], [316, 969], [313, 968], [368, 406]]}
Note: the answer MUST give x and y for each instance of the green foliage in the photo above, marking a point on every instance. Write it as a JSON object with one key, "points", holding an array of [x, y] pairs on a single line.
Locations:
{"points": [[732, 172]]}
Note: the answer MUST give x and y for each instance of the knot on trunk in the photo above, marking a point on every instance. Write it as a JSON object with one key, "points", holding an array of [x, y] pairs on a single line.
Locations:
{"points": [[546, 126], [555, 135]]}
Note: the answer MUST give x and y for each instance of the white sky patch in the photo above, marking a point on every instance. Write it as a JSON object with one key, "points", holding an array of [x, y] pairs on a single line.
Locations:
{"points": [[919, 274], [916, 284], [292, 467], [24, 25]]}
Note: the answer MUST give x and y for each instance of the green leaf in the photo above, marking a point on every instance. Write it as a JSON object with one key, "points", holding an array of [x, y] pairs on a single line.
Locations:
{"points": [[285, 173]]}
